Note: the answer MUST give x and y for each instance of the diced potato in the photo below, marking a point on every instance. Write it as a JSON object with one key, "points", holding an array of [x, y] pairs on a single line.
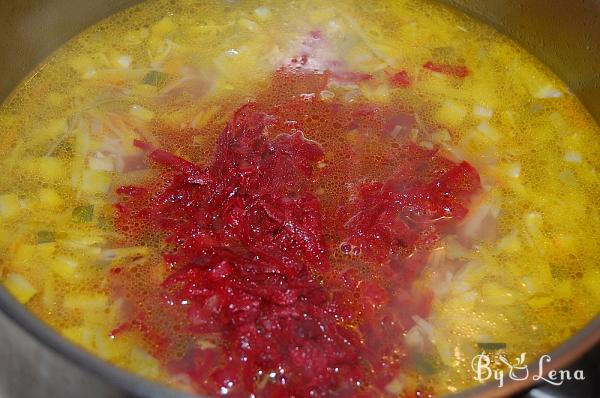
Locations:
{"points": [[536, 81], [451, 114], [19, 287], [48, 168], [540, 301], [558, 121], [136, 37], [144, 363], [82, 63], [74, 333], [49, 199], [512, 169], [591, 281], [543, 274], [85, 302], [95, 181], [83, 239], [49, 292], [53, 129], [64, 266], [379, 93], [81, 335], [9, 205], [564, 289], [141, 112], [565, 243], [28, 256], [24, 256], [107, 347], [163, 27], [509, 244], [517, 187], [497, 295], [101, 162]]}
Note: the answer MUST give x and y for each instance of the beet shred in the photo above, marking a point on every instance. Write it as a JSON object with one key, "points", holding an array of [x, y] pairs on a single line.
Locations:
{"points": [[249, 263]]}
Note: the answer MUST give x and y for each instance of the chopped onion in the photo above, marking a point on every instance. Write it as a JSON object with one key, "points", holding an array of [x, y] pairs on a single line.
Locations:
{"points": [[441, 136], [124, 61], [101, 162], [513, 170], [89, 73], [425, 327], [509, 243], [141, 112], [472, 227], [483, 112], [327, 95], [248, 24], [437, 256], [396, 386], [548, 91], [540, 301], [64, 266], [533, 222], [19, 287], [573, 157], [529, 285], [414, 339], [262, 12], [489, 131]]}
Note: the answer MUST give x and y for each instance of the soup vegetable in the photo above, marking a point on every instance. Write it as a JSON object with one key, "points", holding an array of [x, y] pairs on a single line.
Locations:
{"points": [[271, 199]]}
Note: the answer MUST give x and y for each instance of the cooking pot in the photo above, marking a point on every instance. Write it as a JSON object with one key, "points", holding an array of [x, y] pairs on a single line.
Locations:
{"points": [[565, 35]]}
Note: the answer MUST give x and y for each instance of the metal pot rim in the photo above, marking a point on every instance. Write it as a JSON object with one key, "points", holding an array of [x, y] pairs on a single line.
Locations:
{"points": [[562, 356]]}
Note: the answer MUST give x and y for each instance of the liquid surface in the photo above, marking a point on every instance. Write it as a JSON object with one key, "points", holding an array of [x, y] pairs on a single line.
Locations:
{"points": [[375, 87]]}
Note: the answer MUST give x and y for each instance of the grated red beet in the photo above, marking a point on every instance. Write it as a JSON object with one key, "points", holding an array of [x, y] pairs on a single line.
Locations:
{"points": [[250, 262], [460, 71], [400, 79]]}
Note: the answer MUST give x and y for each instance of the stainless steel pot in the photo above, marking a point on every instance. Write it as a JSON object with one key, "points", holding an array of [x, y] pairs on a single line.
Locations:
{"points": [[563, 34]]}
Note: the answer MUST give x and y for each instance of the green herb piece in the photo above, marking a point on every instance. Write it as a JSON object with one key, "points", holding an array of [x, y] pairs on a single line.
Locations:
{"points": [[155, 78], [84, 213], [492, 346], [105, 223], [46, 237]]}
